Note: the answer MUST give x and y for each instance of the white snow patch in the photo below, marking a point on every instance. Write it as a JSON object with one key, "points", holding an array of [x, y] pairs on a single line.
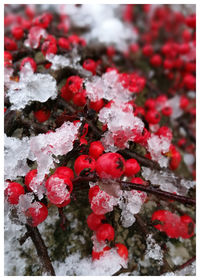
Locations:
{"points": [[74, 265], [31, 87], [16, 152]]}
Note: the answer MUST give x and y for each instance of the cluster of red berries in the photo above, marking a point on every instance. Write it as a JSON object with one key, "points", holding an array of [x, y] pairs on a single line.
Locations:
{"points": [[173, 225], [104, 232]]}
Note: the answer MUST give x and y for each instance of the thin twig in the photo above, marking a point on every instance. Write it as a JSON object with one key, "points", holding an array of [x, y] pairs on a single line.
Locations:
{"points": [[41, 249]]}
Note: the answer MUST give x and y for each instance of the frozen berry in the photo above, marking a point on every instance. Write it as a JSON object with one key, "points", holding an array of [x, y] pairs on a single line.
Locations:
{"points": [[13, 192]]}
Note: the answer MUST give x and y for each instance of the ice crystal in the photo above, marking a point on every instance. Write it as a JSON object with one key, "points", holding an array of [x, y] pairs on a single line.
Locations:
{"points": [[7, 74], [31, 87], [46, 147], [130, 203], [26, 202], [157, 146], [167, 181], [16, 152], [34, 36], [122, 125], [107, 86], [153, 250]]}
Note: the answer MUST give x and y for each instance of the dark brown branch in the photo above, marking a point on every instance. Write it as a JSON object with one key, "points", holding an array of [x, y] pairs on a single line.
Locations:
{"points": [[41, 249], [187, 263], [162, 194], [24, 238]]}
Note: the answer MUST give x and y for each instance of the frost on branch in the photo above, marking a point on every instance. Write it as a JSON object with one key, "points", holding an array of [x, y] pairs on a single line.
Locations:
{"points": [[31, 87], [16, 152], [166, 181], [123, 126], [103, 24], [157, 146], [46, 147]]}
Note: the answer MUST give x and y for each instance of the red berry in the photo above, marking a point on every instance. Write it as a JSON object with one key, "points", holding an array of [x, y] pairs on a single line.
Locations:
{"points": [[97, 105], [189, 81], [156, 60], [96, 149], [167, 111], [152, 116], [147, 50], [168, 64], [150, 103], [90, 65], [10, 44], [105, 232], [42, 115], [17, 32], [98, 255], [191, 21], [7, 59], [94, 221], [85, 164], [13, 192], [43, 20], [165, 131], [35, 215], [101, 202], [110, 165], [64, 43], [58, 188], [49, 48], [122, 250], [187, 227], [65, 171], [66, 93], [184, 102], [79, 98], [175, 157], [74, 84], [29, 60], [64, 203], [184, 48], [110, 51], [167, 222], [131, 167], [29, 177]]}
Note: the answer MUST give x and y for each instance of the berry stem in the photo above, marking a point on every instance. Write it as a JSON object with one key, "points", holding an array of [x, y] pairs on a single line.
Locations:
{"points": [[41, 249]]}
